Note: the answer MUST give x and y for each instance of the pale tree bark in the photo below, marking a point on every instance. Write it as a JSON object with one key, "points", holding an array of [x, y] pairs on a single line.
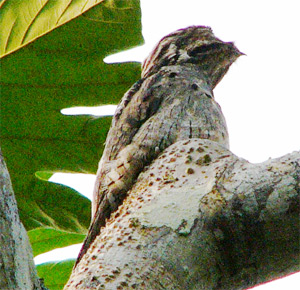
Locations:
{"points": [[17, 269], [199, 217]]}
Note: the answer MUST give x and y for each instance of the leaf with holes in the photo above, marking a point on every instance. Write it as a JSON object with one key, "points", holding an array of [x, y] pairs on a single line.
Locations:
{"points": [[61, 69]]}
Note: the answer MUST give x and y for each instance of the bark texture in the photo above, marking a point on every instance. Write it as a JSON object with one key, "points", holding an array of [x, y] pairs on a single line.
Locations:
{"points": [[199, 217], [17, 269]]}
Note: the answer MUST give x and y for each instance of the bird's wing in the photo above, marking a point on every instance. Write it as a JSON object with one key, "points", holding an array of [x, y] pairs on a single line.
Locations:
{"points": [[136, 107]]}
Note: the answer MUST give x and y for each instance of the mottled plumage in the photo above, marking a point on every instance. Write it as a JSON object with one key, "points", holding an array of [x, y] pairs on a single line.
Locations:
{"points": [[172, 101]]}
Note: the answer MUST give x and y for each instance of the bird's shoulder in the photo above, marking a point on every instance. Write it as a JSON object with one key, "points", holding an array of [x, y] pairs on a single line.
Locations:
{"points": [[138, 104]]}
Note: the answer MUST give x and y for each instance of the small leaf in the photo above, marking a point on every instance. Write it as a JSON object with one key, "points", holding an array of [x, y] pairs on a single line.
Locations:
{"points": [[55, 275], [44, 175], [46, 239]]}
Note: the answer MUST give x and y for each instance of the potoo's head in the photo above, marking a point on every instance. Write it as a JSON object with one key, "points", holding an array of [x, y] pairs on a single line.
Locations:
{"points": [[196, 45]]}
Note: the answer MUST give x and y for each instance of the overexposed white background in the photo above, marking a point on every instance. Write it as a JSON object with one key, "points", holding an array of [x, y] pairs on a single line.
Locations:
{"points": [[259, 96]]}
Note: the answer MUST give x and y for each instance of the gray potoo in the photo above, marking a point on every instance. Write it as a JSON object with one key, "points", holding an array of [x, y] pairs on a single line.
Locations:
{"points": [[172, 101]]}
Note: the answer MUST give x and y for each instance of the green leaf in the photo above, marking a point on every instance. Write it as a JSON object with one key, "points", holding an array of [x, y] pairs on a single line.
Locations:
{"points": [[46, 239], [61, 69], [52, 205], [55, 275], [44, 175], [24, 21]]}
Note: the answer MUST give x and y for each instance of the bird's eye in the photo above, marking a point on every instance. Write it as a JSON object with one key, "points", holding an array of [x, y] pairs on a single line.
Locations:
{"points": [[203, 49]]}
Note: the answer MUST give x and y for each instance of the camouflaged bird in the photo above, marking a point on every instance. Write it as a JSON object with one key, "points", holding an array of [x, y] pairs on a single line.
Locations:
{"points": [[172, 101]]}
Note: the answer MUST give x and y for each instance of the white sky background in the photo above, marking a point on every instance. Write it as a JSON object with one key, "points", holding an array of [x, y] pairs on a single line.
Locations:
{"points": [[259, 95]]}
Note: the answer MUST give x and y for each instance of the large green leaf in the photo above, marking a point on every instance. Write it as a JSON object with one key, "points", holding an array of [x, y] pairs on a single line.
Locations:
{"points": [[63, 68], [55, 275]]}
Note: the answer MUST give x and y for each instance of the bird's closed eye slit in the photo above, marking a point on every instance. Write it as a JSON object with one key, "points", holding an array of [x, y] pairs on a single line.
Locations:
{"points": [[204, 49], [195, 87], [172, 75]]}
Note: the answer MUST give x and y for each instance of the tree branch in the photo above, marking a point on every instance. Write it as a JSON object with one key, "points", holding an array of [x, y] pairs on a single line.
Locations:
{"points": [[199, 217], [17, 269]]}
